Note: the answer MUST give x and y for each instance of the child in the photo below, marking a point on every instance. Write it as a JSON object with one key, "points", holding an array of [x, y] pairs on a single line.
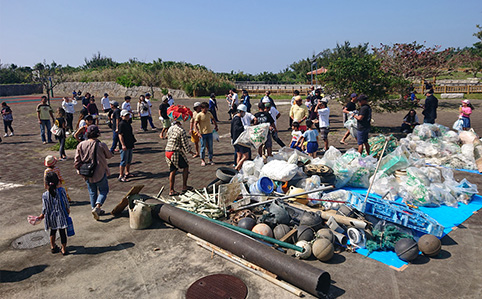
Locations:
{"points": [[55, 209], [7, 119], [61, 122], [50, 162], [296, 136], [308, 103], [311, 137], [465, 112]]}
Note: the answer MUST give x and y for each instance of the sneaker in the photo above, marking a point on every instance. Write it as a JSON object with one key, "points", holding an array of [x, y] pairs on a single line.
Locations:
{"points": [[6, 135], [211, 162], [203, 163], [95, 213], [45, 142], [11, 134]]}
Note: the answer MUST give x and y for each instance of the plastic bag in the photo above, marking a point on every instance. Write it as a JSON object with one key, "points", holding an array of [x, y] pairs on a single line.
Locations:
{"points": [[279, 170], [215, 135], [385, 184], [398, 159], [258, 165], [243, 139], [330, 156], [34, 220], [253, 136], [335, 199], [468, 151], [416, 185], [343, 170], [451, 136], [458, 125], [248, 168], [432, 173], [443, 195], [462, 191]]}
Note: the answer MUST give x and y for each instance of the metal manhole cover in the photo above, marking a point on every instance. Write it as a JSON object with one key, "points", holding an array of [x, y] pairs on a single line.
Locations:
{"points": [[32, 240], [217, 286]]}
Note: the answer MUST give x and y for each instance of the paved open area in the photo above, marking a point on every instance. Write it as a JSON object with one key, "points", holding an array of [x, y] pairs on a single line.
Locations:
{"points": [[109, 260]]}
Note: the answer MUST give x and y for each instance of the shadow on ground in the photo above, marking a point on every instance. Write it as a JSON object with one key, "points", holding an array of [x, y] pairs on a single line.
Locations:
{"points": [[99, 250], [16, 276]]}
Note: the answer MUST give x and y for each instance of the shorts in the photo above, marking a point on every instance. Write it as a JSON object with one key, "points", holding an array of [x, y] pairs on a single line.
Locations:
{"points": [[182, 164], [166, 123], [194, 137], [292, 145], [126, 156], [269, 141], [241, 149], [311, 147], [362, 136], [324, 133], [465, 122]]}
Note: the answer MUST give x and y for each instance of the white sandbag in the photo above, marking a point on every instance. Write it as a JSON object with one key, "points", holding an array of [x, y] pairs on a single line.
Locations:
{"points": [[279, 170]]}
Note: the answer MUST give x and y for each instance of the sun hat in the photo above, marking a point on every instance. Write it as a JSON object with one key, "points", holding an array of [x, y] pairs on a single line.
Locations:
{"points": [[466, 102], [297, 98], [50, 161], [197, 104], [125, 112]]}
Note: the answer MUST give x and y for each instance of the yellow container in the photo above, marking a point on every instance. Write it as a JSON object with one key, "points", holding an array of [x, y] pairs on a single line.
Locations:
{"points": [[303, 199]]}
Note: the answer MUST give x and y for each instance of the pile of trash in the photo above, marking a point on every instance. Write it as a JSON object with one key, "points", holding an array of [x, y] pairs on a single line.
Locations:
{"points": [[438, 145]]}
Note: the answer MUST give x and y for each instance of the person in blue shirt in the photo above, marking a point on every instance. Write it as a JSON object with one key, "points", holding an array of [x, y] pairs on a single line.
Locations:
{"points": [[310, 136], [246, 101]]}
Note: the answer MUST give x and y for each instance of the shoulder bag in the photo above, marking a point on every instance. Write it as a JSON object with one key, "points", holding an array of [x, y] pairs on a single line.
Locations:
{"points": [[88, 169], [70, 223]]}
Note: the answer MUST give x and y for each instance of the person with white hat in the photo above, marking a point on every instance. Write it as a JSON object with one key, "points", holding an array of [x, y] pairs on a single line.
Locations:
{"points": [[127, 139], [237, 127], [275, 114], [194, 135]]}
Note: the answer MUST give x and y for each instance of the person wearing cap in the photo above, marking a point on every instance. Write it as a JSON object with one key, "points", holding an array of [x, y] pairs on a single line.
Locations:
{"points": [[430, 107], [465, 112], [105, 103], [323, 120], [44, 114], [263, 117], [166, 122], [176, 151], [115, 118], [267, 96], [275, 114], [195, 137], [127, 140], [364, 118], [314, 102], [149, 118], [69, 107], [299, 113], [348, 112], [237, 127], [213, 106], [97, 185], [203, 127]]}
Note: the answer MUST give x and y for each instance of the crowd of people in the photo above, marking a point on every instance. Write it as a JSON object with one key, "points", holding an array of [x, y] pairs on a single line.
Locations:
{"points": [[309, 119]]}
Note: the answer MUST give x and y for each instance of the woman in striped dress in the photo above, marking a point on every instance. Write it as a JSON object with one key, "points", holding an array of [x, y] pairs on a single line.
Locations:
{"points": [[53, 202]]}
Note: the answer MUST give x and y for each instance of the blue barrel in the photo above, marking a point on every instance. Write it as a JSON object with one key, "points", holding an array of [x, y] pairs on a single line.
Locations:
{"points": [[263, 185]]}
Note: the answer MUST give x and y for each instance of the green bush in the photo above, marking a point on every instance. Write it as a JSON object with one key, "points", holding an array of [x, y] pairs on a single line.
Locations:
{"points": [[70, 143], [127, 81]]}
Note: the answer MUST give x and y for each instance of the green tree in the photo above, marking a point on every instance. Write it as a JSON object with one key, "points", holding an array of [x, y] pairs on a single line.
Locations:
{"points": [[99, 61], [361, 75]]}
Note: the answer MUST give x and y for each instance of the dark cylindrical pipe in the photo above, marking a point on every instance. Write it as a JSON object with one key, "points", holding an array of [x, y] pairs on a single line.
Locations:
{"points": [[311, 279]]}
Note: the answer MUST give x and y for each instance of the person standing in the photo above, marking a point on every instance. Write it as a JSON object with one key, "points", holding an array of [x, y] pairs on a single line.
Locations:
{"points": [[203, 127], [115, 118], [105, 103], [143, 110], [213, 106], [430, 108], [69, 109], [127, 139], [44, 114], [127, 106], [55, 209], [263, 117], [85, 101], [275, 114], [465, 112], [267, 96], [237, 128], [299, 113], [93, 110], [295, 94], [348, 112], [364, 118], [148, 101], [97, 185], [176, 151], [7, 117], [310, 136], [62, 124], [247, 101], [232, 99], [170, 100], [166, 122], [323, 120], [194, 136]]}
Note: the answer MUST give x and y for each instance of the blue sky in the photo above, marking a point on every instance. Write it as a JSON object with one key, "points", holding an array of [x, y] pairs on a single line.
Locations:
{"points": [[249, 36]]}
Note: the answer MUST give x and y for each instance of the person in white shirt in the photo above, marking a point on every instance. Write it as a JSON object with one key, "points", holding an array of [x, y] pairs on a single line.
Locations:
{"points": [[127, 106], [105, 103], [233, 101], [275, 114], [323, 120], [149, 118], [68, 106], [143, 110]]}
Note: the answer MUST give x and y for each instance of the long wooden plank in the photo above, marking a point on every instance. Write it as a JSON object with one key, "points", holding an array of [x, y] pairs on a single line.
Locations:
{"points": [[124, 202]]}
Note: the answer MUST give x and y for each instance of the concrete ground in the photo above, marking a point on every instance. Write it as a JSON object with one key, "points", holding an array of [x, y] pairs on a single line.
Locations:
{"points": [[109, 260]]}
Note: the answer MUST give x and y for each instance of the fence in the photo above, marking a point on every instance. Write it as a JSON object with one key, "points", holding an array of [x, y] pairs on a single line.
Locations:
{"points": [[274, 88], [453, 89]]}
